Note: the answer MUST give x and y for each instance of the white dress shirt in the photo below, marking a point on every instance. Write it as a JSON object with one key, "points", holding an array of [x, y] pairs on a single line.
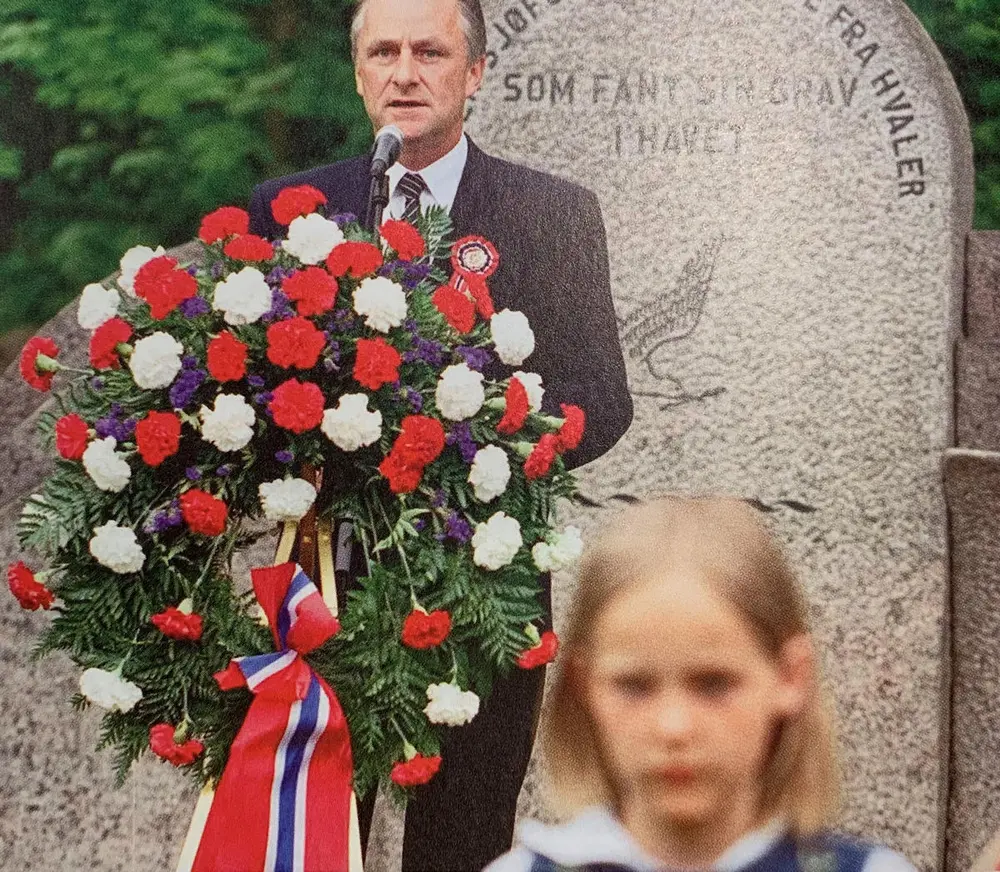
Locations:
{"points": [[441, 177]]}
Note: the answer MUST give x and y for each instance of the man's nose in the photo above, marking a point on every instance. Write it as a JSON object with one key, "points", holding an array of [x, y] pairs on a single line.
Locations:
{"points": [[404, 73]]}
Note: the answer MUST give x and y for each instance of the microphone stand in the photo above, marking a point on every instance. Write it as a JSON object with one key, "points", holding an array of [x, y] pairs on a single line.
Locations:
{"points": [[378, 200]]}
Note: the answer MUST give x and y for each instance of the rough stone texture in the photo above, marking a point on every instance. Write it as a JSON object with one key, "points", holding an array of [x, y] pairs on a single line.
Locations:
{"points": [[973, 491], [977, 401], [788, 316], [788, 320], [982, 303]]}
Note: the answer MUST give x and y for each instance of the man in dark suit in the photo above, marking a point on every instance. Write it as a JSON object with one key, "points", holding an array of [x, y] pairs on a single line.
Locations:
{"points": [[416, 63]]}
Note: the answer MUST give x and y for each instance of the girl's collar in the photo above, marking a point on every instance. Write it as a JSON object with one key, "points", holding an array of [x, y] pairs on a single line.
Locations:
{"points": [[596, 836]]}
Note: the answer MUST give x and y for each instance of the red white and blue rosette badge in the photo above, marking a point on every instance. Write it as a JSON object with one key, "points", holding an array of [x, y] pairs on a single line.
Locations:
{"points": [[474, 258]]}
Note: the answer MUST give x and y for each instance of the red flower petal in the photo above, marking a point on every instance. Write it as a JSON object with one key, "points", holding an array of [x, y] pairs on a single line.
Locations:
{"points": [[417, 771], [459, 311], [40, 381], [356, 259], [313, 290], [158, 436], [293, 202], [249, 247], [204, 513], [105, 341], [222, 223], [28, 590], [226, 358], [297, 406], [295, 342], [72, 434], [404, 239], [516, 411]]}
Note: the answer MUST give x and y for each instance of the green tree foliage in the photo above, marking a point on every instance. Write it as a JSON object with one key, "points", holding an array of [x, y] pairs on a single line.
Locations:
{"points": [[968, 34], [123, 123]]}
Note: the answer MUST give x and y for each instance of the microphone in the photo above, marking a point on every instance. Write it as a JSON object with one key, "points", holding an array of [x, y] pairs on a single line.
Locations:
{"points": [[385, 152]]}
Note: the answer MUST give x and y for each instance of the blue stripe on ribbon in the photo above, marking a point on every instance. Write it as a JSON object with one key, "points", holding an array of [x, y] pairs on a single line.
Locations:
{"points": [[255, 663], [294, 754], [299, 581]]}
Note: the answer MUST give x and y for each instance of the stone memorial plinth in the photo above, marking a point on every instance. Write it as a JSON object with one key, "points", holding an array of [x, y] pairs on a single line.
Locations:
{"points": [[787, 188]]}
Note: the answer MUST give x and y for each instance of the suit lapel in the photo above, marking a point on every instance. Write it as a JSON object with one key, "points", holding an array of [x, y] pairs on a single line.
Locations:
{"points": [[473, 193]]}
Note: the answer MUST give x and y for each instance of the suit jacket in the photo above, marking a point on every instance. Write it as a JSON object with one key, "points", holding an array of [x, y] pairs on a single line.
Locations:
{"points": [[553, 268]]}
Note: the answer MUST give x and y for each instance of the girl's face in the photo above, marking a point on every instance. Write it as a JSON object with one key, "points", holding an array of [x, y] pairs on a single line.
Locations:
{"points": [[685, 701]]}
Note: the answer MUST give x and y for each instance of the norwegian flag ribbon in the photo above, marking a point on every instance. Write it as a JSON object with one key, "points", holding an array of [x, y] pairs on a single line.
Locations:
{"points": [[283, 802], [473, 260]]}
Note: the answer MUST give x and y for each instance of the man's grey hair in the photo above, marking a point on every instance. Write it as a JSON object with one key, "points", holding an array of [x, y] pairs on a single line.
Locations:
{"points": [[473, 26]]}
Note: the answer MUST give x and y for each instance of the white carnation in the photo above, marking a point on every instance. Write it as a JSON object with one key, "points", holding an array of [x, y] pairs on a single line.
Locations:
{"points": [[109, 690], [243, 297], [532, 382], [98, 305], [109, 470], [559, 552], [286, 499], [382, 302], [229, 426], [490, 473], [351, 426], [496, 541], [460, 392], [156, 361], [512, 336], [312, 237], [117, 548], [448, 704], [132, 261]]}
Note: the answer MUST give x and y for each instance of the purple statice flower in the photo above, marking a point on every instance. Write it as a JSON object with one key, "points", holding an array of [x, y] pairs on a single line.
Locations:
{"points": [[420, 524], [189, 361], [195, 306], [439, 499], [415, 399], [413, 273], [476, 358], [277, 275], [217, 270], [457, 528], [281, 308], [461, 435], [97, 383], [184, 387], [263, 399], [225, 470], [426, 351], [330, 365], [344, 321], [192, 270], [255, 381], [192, 473], [278, 244], [284, 456], [164, 519], [342, 218], [112, 424]]}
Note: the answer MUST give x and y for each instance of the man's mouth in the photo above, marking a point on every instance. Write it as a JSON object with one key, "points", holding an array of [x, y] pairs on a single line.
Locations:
{"points": [[406, 104]]}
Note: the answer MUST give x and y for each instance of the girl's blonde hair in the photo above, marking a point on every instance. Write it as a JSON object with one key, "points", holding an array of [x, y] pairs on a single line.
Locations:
{"points": [[725, 543]]}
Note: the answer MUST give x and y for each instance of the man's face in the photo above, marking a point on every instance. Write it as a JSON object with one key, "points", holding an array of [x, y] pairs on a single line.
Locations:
{"points": [[413, 70]]}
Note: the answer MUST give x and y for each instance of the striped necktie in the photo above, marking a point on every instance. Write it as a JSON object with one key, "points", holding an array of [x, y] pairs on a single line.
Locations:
{"points": [[411, 186]]}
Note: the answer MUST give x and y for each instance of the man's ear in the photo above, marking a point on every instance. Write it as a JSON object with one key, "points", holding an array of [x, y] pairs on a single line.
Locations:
{"points": [[796, 674], [474, 78], [357, 82]]}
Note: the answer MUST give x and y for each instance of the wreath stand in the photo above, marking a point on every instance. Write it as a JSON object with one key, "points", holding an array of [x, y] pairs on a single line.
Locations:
{"points": [[314, 538]]}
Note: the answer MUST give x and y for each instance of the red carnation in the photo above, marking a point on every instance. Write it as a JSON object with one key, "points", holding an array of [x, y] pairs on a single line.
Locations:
{"points": [[404, 477], [423, 630], [30, 592], [158, 436], [377, 363], [421, 440], [226, 358], [72, 434], [204, 513], [176, 624], [223, 223], [357, 259], [297, 406], [105, 341], [544, 652], [293, 202], [542, 456], [404, 239], [459, 311], [294, 342], [249, 247], [161, 284], [313, 290], [163, 743], [571, 432], [39, 373], [417, 771], [516, 411]]}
